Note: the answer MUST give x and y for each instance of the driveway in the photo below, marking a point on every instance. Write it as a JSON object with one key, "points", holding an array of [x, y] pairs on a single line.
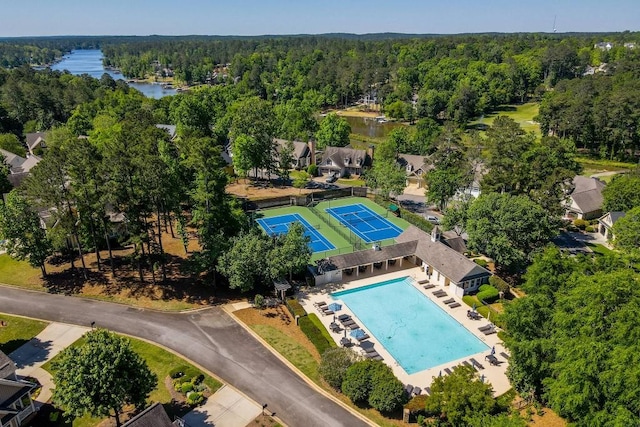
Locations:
{"points": [[226, 408], [208, 337], [45, 346]]}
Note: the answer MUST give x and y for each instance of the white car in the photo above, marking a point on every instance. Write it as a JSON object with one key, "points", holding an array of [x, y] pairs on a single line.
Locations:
{"points": [[432, 219]]}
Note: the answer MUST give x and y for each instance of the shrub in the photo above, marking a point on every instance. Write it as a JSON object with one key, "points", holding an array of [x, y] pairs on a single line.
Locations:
{"points": [[334, 364], [314, 334], [322, 329], [178, 371], [589, 229], [357, 381], [186, 388], [387, 393], [581, 223], [488, 294], [258, 301], [481, 262], [195, 398], [295, 308], [312, 169], [499, 284]]}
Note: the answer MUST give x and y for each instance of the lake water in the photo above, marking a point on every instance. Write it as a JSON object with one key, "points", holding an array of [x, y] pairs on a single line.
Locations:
{"points": [[89, 61], [368, 126]]}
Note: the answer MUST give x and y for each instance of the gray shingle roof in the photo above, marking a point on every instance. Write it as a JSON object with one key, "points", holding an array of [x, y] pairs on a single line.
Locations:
{"points": [[300, 149], [587, 193], [34, 139], [370, 256], [413, 163], [442, 258], [7, 367], [343, 157], [153, 416]]}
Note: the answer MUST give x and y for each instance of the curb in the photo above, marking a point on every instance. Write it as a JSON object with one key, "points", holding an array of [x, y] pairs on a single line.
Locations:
{"points": [[312, 384]]}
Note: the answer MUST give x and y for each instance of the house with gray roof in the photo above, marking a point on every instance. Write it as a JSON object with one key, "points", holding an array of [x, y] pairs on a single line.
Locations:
{"points": [[16, 404], [171, 130], [585, 198], [416, 167], [442, 264], [36, 142], [343, 161], [606, 223], [153, 416], [19, 167], [303, 152]]}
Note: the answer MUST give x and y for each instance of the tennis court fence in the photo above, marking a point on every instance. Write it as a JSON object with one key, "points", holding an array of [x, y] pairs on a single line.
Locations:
{"points": [[304, 200], [342, 231]]}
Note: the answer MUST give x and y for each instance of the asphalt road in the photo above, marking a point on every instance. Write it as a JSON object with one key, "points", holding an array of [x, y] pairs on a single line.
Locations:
{"points": [[209, 337]]}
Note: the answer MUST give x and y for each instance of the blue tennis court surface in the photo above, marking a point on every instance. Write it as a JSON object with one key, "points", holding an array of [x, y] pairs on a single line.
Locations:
{"points": [[277, 225], [368, 225]]}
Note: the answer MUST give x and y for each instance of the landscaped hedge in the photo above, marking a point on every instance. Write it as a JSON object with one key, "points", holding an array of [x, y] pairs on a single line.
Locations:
{"points": [[499, 284], [295, 308], [314, 334], [488, 294], [316, 320], [481, 262]]}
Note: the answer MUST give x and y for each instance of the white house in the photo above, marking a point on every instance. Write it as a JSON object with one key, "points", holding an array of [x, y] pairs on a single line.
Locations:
{"points": [[606, 223], [16, 404]]}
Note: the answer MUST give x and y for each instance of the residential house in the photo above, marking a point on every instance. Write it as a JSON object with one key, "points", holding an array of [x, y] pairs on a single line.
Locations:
{"points": [[303, 153], [585, 198], [415, 167], [153, 416], [35, 142], [19, 167], [603, 45], [171, 130], [344, 161], [606, 223], [16, 404], [442, 264]]}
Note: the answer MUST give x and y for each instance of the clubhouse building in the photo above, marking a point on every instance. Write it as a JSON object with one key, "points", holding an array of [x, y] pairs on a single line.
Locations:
{"points": [[442, 265]]}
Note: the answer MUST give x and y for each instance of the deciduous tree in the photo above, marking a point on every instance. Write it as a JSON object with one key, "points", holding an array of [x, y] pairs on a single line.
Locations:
{"points": [[101, 376], [334, 131]]}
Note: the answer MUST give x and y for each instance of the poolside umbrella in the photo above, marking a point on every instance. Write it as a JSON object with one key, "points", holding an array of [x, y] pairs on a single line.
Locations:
{"points": [[482, 378], [493, 350], [334, 306], [474, 307], [357, 333]]}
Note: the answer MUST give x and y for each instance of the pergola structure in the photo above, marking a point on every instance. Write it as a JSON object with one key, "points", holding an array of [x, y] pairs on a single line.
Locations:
{"points": [[282, 286]]}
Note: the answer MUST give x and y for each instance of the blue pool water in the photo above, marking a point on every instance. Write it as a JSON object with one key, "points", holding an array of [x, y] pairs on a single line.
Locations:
{"points": [[418, 334]]}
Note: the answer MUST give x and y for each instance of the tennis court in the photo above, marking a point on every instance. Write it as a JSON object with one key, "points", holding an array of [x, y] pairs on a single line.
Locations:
{"points": [[365, 223], [277, 225]]}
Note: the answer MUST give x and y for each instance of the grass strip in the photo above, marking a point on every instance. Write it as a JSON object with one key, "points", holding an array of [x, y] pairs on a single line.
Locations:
{"points": [[17, 331]]}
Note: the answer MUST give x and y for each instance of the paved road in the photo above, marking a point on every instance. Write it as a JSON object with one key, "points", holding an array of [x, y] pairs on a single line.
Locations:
{"points": [[209, 337]]}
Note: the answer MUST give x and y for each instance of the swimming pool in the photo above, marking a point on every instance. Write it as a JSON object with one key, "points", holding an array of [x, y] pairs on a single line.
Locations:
{"points": [[414, 330]]}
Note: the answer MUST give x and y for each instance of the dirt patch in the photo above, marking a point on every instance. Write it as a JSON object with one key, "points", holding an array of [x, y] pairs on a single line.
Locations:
{"points": [[274, 317], [545, 417], [263, 190]]}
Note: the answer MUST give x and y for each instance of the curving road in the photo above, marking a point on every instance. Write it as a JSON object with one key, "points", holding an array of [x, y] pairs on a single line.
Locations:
{"points": [[209, 337]]}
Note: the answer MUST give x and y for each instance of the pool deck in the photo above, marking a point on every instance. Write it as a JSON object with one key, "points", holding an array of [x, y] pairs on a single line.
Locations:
{"points": [[496, 375]]}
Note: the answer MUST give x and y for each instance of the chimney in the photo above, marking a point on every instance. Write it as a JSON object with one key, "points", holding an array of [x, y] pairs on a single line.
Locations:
{"points": [[435, 234], [370, 151], [312, 149]]}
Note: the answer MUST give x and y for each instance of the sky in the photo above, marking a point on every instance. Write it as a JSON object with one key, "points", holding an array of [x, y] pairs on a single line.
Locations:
{"points": [[259, 17]]}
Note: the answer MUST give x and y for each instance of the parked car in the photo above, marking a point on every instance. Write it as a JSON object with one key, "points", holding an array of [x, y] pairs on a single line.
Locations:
{"points": [[332, 178], [433, 220]]}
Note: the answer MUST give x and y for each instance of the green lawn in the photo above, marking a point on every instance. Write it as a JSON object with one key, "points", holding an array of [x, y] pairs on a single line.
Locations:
{"points": [[352, 182], [290, 349], [599, 249], [160, 362], [19, 273], [18, 331], [523, 114]]}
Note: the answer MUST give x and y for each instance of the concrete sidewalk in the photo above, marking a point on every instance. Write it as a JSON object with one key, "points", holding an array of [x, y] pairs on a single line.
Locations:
{"points": [[226, 408], [45, 346]]}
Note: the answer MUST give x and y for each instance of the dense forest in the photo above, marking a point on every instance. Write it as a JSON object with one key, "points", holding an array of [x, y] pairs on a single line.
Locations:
{"points": [[572, 338]]}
